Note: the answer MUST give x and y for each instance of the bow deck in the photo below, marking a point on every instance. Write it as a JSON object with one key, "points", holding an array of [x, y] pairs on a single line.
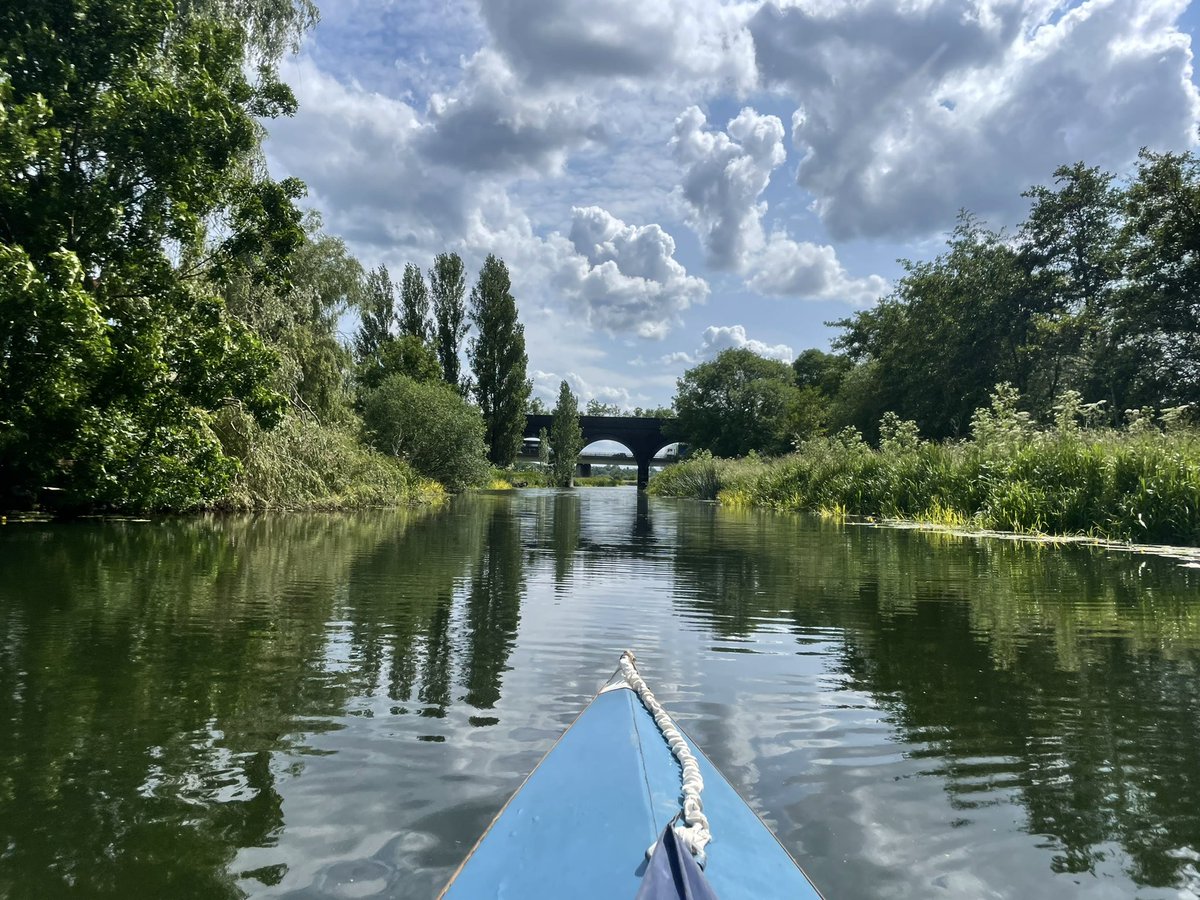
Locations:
{"points": [[581, 823]]}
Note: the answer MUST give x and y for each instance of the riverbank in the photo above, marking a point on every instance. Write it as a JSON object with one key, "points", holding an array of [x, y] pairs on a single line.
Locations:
{"points": [[507, 479], [1141, 484]]}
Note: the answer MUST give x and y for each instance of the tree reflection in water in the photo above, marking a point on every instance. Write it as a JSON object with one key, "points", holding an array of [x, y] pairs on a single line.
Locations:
{"points": [[1065, 675], [159, 682]]}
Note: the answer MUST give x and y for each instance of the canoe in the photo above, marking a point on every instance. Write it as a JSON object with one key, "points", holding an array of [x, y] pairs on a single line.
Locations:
{"points": [[581, 824]]}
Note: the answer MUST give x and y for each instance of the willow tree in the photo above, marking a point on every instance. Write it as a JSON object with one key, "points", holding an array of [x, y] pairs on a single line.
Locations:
{"points": [[499, 362], [127, 128]]}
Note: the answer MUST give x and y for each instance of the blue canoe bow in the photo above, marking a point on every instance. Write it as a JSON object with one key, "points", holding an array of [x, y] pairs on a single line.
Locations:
{"points": [[581, 823]]}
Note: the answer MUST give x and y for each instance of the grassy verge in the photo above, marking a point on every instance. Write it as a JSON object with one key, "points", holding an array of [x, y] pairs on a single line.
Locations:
{"points": [[604, 481], [302, 465], [1140, 484], [506, 479]]}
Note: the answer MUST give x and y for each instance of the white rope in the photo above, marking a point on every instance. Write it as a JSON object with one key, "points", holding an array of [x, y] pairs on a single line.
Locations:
{"points": [[694, 832]]}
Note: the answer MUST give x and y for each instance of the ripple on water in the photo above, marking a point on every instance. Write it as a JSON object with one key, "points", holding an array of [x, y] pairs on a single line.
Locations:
{"points": [[337, 706]]}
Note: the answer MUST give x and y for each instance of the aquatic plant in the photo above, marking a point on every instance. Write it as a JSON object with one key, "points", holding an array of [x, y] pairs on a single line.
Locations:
{"points": [[301, 464]]}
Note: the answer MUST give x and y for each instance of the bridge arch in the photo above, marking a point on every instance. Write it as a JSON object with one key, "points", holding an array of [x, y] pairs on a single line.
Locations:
{"points": [[642, 435]]}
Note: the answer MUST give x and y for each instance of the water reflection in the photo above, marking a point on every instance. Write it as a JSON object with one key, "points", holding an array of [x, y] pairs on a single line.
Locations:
{"points": [[1063, 680], [493, 609], [305, 706], [147, 675]]}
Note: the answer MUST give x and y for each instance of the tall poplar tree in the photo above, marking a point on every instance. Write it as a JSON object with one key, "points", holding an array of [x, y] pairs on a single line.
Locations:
{"points": [[448, 285], [377, 314], [499, 361], [414, 303], [566, 437]]}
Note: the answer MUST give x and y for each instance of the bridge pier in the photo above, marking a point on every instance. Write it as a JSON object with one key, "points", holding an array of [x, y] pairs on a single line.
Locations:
{"points": [[643, 464]]}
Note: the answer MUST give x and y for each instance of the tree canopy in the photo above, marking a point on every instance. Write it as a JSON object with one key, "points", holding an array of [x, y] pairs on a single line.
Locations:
{"points": [[448, 286], [431, 427], [565, 438], [414, 301], [736, 403], [1095, 293], [125, 133]]}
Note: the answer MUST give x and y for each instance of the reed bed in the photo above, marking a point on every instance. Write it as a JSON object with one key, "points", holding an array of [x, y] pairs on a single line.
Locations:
{"points": [[1139, 484], [304, 465]]}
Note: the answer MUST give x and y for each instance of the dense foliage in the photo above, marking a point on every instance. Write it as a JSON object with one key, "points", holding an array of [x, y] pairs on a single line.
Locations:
{"points": [[431, 427], [736, 403], [168, 316], [301, 464], [125, 132], [1095, 293]]}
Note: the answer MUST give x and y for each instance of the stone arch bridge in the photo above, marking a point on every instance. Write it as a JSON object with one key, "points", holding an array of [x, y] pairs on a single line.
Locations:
{"points": [[643, 436]]}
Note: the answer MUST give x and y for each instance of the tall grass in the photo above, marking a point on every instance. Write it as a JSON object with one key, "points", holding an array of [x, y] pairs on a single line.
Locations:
{"points": [[702, 477], [1139, 484], [304, 465]]}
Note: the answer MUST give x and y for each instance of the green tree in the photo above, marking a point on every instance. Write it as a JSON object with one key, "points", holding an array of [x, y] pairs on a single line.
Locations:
{"points": [[297, 318], [951, 329], [736, 403], [431, 427], [819, 377], [566, 437], [1069, 242], [499, 362], [599, 408], [1158, 313], [448, 285], [378, 319], [544, 447], [271, 27], [653, 412], [414, 301], [126, 129], [823, 371], [406, 355]]}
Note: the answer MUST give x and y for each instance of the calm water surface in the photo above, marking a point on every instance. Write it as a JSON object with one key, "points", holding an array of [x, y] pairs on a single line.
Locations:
{"points": [[336, 706]]}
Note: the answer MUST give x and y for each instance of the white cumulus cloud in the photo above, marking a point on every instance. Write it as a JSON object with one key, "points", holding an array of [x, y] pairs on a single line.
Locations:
{"points": [[789, 268], [625, 278], [911, 111], [493, 122], [725, 174], [569, 41], [729, 337]]}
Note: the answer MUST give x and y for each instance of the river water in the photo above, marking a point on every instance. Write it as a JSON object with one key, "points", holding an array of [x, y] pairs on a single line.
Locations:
{"points": [[336, 705]]}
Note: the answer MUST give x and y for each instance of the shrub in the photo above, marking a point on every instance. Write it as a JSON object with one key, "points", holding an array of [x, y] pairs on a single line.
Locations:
{"points": [[431, 427]]}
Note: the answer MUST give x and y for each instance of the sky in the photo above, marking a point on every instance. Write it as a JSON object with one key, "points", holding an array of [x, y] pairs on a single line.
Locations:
{"points": [[666, 179]]}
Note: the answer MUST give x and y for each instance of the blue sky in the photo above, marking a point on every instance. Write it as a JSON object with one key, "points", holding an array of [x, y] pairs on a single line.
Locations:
{"points": [[668, 179]]}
